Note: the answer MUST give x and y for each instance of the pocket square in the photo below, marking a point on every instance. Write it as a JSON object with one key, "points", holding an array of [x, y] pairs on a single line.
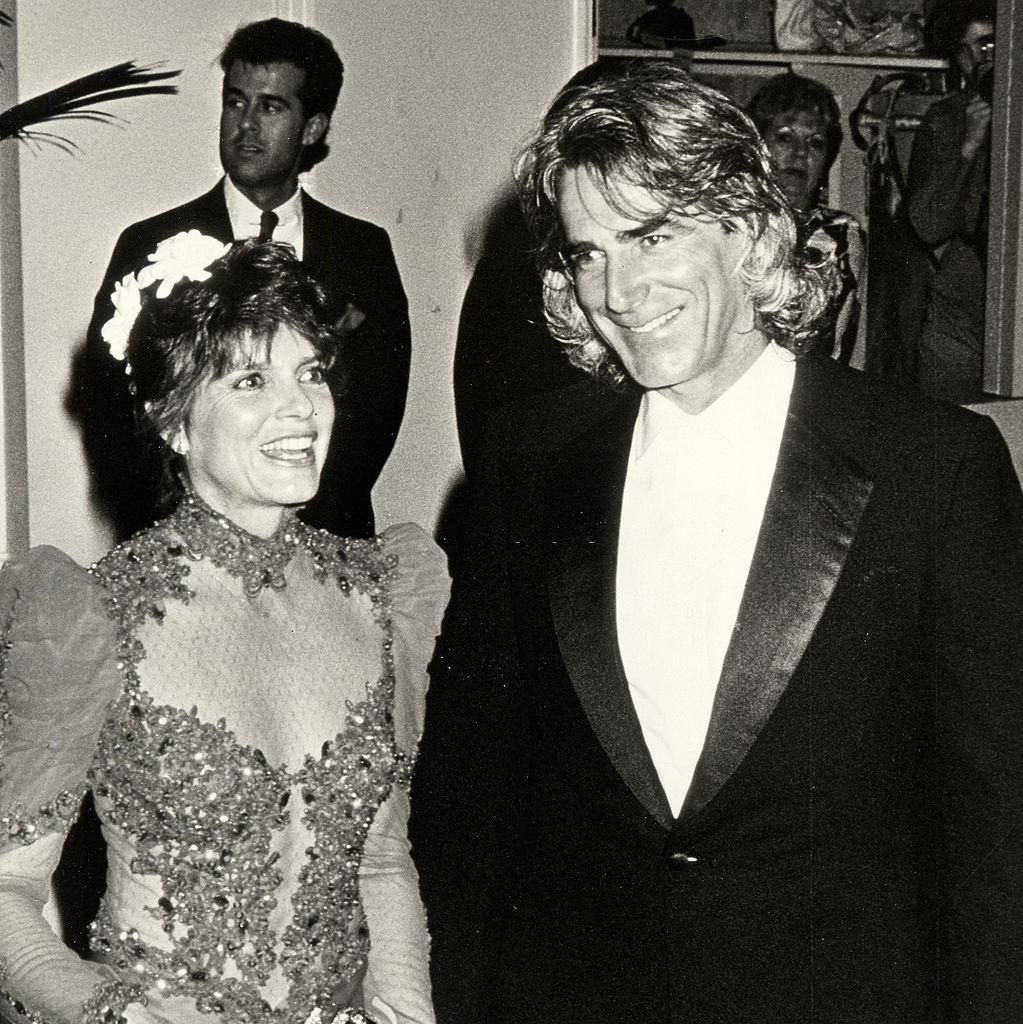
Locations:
{"points": [[351, 318]]}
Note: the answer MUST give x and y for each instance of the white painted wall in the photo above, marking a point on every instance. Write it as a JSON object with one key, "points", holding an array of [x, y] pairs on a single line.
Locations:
{"points": [[438, 95]]}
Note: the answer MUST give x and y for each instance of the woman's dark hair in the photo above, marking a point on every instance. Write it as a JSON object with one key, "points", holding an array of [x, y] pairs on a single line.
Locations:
{"points": [[793, 94], [204, 329]]}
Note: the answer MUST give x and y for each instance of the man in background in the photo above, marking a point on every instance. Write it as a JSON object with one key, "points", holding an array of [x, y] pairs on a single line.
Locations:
{"points": [[280, 87], [947, 202]]}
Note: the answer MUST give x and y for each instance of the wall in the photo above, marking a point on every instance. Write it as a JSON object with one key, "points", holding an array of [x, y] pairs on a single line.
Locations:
{"points": [[1009, 417], [439, 94], [430, 124]]}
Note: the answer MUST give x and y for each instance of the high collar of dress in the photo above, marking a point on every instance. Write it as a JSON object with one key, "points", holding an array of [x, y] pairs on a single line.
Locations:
{"points": [[257, 561]]}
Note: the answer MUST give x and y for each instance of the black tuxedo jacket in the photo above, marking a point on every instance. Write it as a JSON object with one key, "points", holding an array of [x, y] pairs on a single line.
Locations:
{"points": [[354, 262], [850, 849]]}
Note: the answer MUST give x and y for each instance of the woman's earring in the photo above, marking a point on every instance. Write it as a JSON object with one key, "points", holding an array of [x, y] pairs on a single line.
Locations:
{"points": [[179, 443]]}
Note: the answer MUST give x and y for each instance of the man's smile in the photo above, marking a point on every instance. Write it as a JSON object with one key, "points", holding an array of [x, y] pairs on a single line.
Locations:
{"points": [[658, 321]]}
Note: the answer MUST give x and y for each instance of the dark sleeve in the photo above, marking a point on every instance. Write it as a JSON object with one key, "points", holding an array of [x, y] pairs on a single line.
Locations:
{"points": [[504, 350], [978, 629], [470, 780], [370, 385], [937, 176], [479, 335]]}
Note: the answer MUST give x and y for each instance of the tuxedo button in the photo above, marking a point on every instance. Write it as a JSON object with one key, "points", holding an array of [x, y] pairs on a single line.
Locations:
{"points": [[680, 860]]}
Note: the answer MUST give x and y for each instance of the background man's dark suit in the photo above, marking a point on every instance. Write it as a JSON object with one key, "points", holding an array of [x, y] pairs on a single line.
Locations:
{"points": [[849, 851], [354, 261]]}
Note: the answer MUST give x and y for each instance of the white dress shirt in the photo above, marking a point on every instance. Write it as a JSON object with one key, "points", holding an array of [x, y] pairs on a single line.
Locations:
{"points": [[693, 503], [245, 216]]}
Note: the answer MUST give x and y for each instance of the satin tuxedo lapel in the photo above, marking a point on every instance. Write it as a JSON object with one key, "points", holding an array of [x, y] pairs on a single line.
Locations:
{"points": [[316, 243], [816, 501], [583, 508]]}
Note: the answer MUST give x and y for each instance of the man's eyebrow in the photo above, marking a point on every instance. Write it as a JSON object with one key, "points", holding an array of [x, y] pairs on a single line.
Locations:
{"points": [[652, 223], [233, 90], [570, 248]]}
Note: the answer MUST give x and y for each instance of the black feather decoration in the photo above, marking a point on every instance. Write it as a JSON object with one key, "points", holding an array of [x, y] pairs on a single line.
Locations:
{"points": [[77, 100]]}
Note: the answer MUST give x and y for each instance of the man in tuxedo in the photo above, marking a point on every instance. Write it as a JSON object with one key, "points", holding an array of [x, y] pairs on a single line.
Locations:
{"points": [[725, 722], [281, 84]]}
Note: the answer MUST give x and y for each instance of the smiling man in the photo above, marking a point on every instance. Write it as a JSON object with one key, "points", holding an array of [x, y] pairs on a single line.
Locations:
{"points": [[280, 87], [725, 723]]}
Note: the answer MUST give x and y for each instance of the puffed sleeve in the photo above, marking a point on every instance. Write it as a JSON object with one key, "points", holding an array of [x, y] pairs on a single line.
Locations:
{"points": [[58, 677], [397, 983]]}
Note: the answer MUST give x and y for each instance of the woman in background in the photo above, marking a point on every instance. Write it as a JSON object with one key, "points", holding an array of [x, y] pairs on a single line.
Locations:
{"points": [[241, 693], [799, 120]]}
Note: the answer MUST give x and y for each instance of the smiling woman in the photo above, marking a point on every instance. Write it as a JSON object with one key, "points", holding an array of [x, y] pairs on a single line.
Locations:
{"points": [[241, 693]]}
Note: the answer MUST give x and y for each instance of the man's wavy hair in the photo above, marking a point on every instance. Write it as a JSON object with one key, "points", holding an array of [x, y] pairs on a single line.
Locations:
{"points": [[205, 329], [651, 125]]}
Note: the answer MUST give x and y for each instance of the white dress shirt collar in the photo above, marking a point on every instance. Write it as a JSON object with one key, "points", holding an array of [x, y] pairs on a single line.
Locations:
{"points": [[738, 415], [245, 215]]}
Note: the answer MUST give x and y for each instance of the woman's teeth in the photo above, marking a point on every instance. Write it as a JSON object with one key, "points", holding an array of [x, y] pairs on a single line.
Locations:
{"points": [[290, 448]]}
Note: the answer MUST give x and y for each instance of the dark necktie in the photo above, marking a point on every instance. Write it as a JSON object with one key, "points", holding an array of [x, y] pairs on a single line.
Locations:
{"points": [[267, 222]]}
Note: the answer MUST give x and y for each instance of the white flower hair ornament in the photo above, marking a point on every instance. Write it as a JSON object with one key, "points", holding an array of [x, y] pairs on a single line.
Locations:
{"points": [[188, 254]]}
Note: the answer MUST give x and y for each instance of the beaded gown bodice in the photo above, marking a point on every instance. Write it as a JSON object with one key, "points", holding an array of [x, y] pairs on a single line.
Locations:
{"points": [[240, 769]]}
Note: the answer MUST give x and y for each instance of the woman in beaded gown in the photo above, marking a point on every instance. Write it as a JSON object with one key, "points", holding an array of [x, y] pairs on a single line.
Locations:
{"points": [[241, 693]]}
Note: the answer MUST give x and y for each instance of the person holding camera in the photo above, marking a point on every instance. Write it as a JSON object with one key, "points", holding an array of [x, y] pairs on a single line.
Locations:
{"points": [[948, 203]]}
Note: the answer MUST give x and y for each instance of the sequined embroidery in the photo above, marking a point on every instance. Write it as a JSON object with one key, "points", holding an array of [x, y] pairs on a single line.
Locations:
{"points": [[201, 808], [20, 825]]}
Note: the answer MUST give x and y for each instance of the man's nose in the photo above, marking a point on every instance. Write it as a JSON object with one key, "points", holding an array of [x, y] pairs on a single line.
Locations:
{"points": [[799, 149], [625, 284], [248, 119]]}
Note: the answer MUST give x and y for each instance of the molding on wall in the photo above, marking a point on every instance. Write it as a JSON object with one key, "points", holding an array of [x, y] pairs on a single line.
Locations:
{"points": [[297, 10], [585, 32], [13, 444]]}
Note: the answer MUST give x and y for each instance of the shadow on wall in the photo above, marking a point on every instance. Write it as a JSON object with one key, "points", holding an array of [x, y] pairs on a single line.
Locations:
{"points": [[503, 350], [122, 467]]}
